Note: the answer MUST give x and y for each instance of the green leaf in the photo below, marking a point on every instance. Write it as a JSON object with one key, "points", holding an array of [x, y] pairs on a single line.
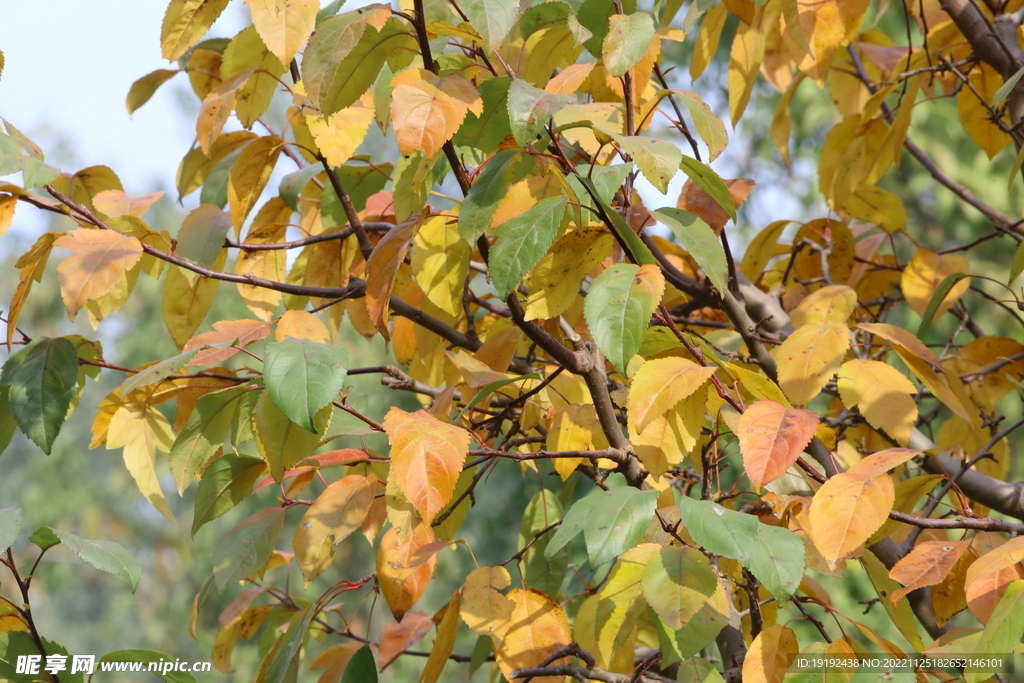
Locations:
{"points": [[328, 10], [1017, 267], [698, 238], [215, 187], [44, 538], [606, 179], [10, 526], [202, 234], [42, 380], [543, 15], [354, 75], [638, 251], [594, 14], [143, 89], [411, 183], [541, 572], [225, 483], [522, 241], [617, 309], [1004, 629], [147, 656], [34, 173], [698, 670], [710, 182], [617, 522], [303, 376], [288, 648], [485, 132], [7, 423], [490, 187], [20, 643], [530, 109], [657, 160], [1005, 88], [699, 632], [106, 556], [158, 371], [246, 547], [933, 304], [203, 433], [628, 38], [491, 18], [361, 668], [282, 442], [773, 554], [292, 184], [334, 40], [611, 522], [709, 127]]}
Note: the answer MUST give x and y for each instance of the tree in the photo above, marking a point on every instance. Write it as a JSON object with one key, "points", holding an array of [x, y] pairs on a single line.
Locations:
{"points": [[720, 429]]}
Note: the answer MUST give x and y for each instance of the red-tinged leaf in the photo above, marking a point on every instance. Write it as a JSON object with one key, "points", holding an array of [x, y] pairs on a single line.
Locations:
{"points": [[116, 203], [245, 331], [381, 269], [399, 636], [99, 260], [693, 199], [772, 437], [427, 456], [926, 565], [427, 110]]}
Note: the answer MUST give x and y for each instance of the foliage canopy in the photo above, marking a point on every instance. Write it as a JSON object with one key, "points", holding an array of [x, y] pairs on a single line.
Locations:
{"points": [[714, 431]]}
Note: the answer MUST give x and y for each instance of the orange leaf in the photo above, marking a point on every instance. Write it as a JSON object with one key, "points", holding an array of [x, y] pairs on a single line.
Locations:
{"points": [[698, 202], [926, 565], [772, 437], [539, 627], [901, 337], [846, 510], [115, 203], [302, 325], [770, 655], [427, 110], [245, 331], [427, 456], [381, 269], [99, 259], [399, 636], [484, 609], [660, 384], [403, 586], [881, 462]]}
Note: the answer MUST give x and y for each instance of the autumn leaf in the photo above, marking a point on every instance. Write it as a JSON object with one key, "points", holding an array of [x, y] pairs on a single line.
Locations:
{"points": [[332, 517], [484, 609], [883, 394], [116, 203], [538, 628], [426, 110], [693, 199], [381, 268], [398, 636], [284, 25], [403, 586], [772, 437], [184, 24], [660, 384], [809, 358], [770, 655], [100, 258], [339, 135], [426, 458], [846, 511], [926, 565], [925, 272]]}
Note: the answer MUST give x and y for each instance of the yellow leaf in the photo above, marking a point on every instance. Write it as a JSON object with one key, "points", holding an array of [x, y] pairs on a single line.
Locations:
{"points": [[809, 358], [935, 382], [268, 227], [761, 250], [744, 63], [284, 25], [427, 456], [539, 628], [216, 108], [846, 510], [381, 269], [301, 325], [335, 514], [141, 430], [281, 442], [440, 262], [248, 54], [622, 599], [445, 641], [782, 122], [772, 437], [402, 584], [770, 655], [976, 114], [659, 385], [116, 203], [897, 335], [573, 429], [670, 437], [98, 261], [925, 273], [426, 109], [555, 280], [707, 40], [8, 202], [830, 304], [185, 22], [249, 176], [484, 609], [873, 204], [185, 303], [883, 393], [339, 135]]}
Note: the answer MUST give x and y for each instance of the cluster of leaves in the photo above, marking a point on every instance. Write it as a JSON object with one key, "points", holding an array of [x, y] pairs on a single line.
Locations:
{"points": [[742, 419]]}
